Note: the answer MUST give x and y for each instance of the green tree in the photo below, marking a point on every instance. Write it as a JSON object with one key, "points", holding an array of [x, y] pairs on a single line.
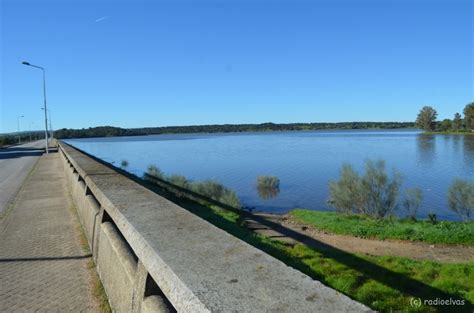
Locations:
{"points": [[379, 190], [469, 116], [457, 122], [461, 198], [426, 119], [413, 198], [345, 195], [446, 125], [375, 193]]}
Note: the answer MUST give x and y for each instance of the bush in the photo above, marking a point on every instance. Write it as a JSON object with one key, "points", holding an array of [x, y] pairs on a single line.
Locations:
{"points": [[210, 189], [153, 170], [346, 193], [461, 198], [216, 191], [268, 186], [413, 199], [375, 193], [124, 163], [380, 191], [179, 180]]}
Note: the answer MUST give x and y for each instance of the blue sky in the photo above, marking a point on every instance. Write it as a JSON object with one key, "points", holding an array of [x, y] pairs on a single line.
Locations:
{"points": [[144, 63]]}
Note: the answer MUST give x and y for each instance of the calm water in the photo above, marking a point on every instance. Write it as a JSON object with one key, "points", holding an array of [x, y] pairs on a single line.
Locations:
{"points": [[304, 161]]}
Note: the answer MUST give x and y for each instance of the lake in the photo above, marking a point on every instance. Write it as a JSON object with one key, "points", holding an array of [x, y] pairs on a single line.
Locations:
{"points": [[304, 161]]}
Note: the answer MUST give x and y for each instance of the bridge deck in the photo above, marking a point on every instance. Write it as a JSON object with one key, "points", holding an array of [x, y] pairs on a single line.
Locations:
{"points": [[43, 264]]}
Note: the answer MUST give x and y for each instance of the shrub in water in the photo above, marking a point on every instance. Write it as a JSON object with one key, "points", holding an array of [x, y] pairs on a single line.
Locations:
{"points": [[216, 191], [179, 180], [346, 193], [375, 193], [153, 170], [412, 201], [461, 198], [268, 186], [379, 190]]}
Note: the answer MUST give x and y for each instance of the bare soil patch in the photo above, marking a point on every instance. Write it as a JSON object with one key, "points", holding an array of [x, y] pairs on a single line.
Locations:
{"points": [[320, 239]]}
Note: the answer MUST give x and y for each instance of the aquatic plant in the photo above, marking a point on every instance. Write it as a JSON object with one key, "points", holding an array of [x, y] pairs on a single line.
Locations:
{"points": [[461, 198], [268, 186]]}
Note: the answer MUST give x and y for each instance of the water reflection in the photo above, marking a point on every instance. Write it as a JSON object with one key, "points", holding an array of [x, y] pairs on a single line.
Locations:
{"points": [[426, 149], [268, 187], [456, 142], [468, 145]]}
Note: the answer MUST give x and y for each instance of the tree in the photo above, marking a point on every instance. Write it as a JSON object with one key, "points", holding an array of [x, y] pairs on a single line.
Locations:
{"points": [[380, 191], [374, 193], [461, 198], [345, 195], [457, 122], [412, 201], [445, 125], [426, 118], [469, 116]]}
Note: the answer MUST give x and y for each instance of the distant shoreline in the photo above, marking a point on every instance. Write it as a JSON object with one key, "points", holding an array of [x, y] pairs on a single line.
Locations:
{"points": [[109, 131]]}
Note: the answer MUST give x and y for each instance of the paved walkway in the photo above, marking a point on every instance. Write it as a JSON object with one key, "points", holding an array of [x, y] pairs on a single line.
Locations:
{"points": [[43, 266]]}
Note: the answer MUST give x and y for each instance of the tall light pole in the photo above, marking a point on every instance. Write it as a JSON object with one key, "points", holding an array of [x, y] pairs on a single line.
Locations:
{"points": [[45, 108], [50, 123], [18, 125]]}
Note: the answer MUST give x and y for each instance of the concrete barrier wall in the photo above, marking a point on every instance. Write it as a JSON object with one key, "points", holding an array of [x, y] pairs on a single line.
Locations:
{"points": [[154, 256]]}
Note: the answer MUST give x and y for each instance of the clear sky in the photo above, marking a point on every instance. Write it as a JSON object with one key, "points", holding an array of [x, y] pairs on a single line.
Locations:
{"points": [[156, 63]]}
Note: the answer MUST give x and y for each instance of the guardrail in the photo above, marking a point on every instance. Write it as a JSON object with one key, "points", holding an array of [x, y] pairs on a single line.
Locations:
{"points": [[154, 256]]}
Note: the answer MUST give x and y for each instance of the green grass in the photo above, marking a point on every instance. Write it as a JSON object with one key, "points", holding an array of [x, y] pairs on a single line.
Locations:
{"points": [[384, 283], [443, 232]]}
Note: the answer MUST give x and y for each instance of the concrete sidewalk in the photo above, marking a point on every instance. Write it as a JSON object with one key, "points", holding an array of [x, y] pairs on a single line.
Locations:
{"points": [[43, 265]]}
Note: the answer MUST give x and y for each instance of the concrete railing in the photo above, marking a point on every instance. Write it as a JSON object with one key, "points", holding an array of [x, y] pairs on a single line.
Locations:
{"points": [[154, 256]]}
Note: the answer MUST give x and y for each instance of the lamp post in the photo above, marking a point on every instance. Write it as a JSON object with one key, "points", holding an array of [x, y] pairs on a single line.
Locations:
{"points": [[45, 108], [18, 125], [50, 123]]}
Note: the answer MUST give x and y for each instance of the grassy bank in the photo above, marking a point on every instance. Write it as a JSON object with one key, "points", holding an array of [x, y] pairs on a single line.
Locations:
{"points": [[382, 283], [443, 232]]}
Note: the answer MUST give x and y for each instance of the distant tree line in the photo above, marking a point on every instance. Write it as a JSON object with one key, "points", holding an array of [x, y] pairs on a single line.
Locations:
{"points": [[12, 139], [109, 131], [427, 120]]}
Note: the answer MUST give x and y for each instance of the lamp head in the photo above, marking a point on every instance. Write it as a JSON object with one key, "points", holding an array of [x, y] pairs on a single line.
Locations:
{"points": [[25, 63]]}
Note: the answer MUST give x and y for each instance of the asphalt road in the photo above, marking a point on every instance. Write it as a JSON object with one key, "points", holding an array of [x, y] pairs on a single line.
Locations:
{"points": [[15, 164]]}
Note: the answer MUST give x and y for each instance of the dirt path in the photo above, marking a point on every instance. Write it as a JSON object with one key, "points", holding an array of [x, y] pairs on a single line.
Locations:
{"points": [[283, 227]]}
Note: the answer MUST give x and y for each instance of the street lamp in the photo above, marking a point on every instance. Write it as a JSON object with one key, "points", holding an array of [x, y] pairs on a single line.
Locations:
{"points": [[50, 123], [18, 125], [45, 108]]}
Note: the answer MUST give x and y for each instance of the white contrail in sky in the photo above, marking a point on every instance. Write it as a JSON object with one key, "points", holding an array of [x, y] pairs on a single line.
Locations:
{"points": [[100, 19]]}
